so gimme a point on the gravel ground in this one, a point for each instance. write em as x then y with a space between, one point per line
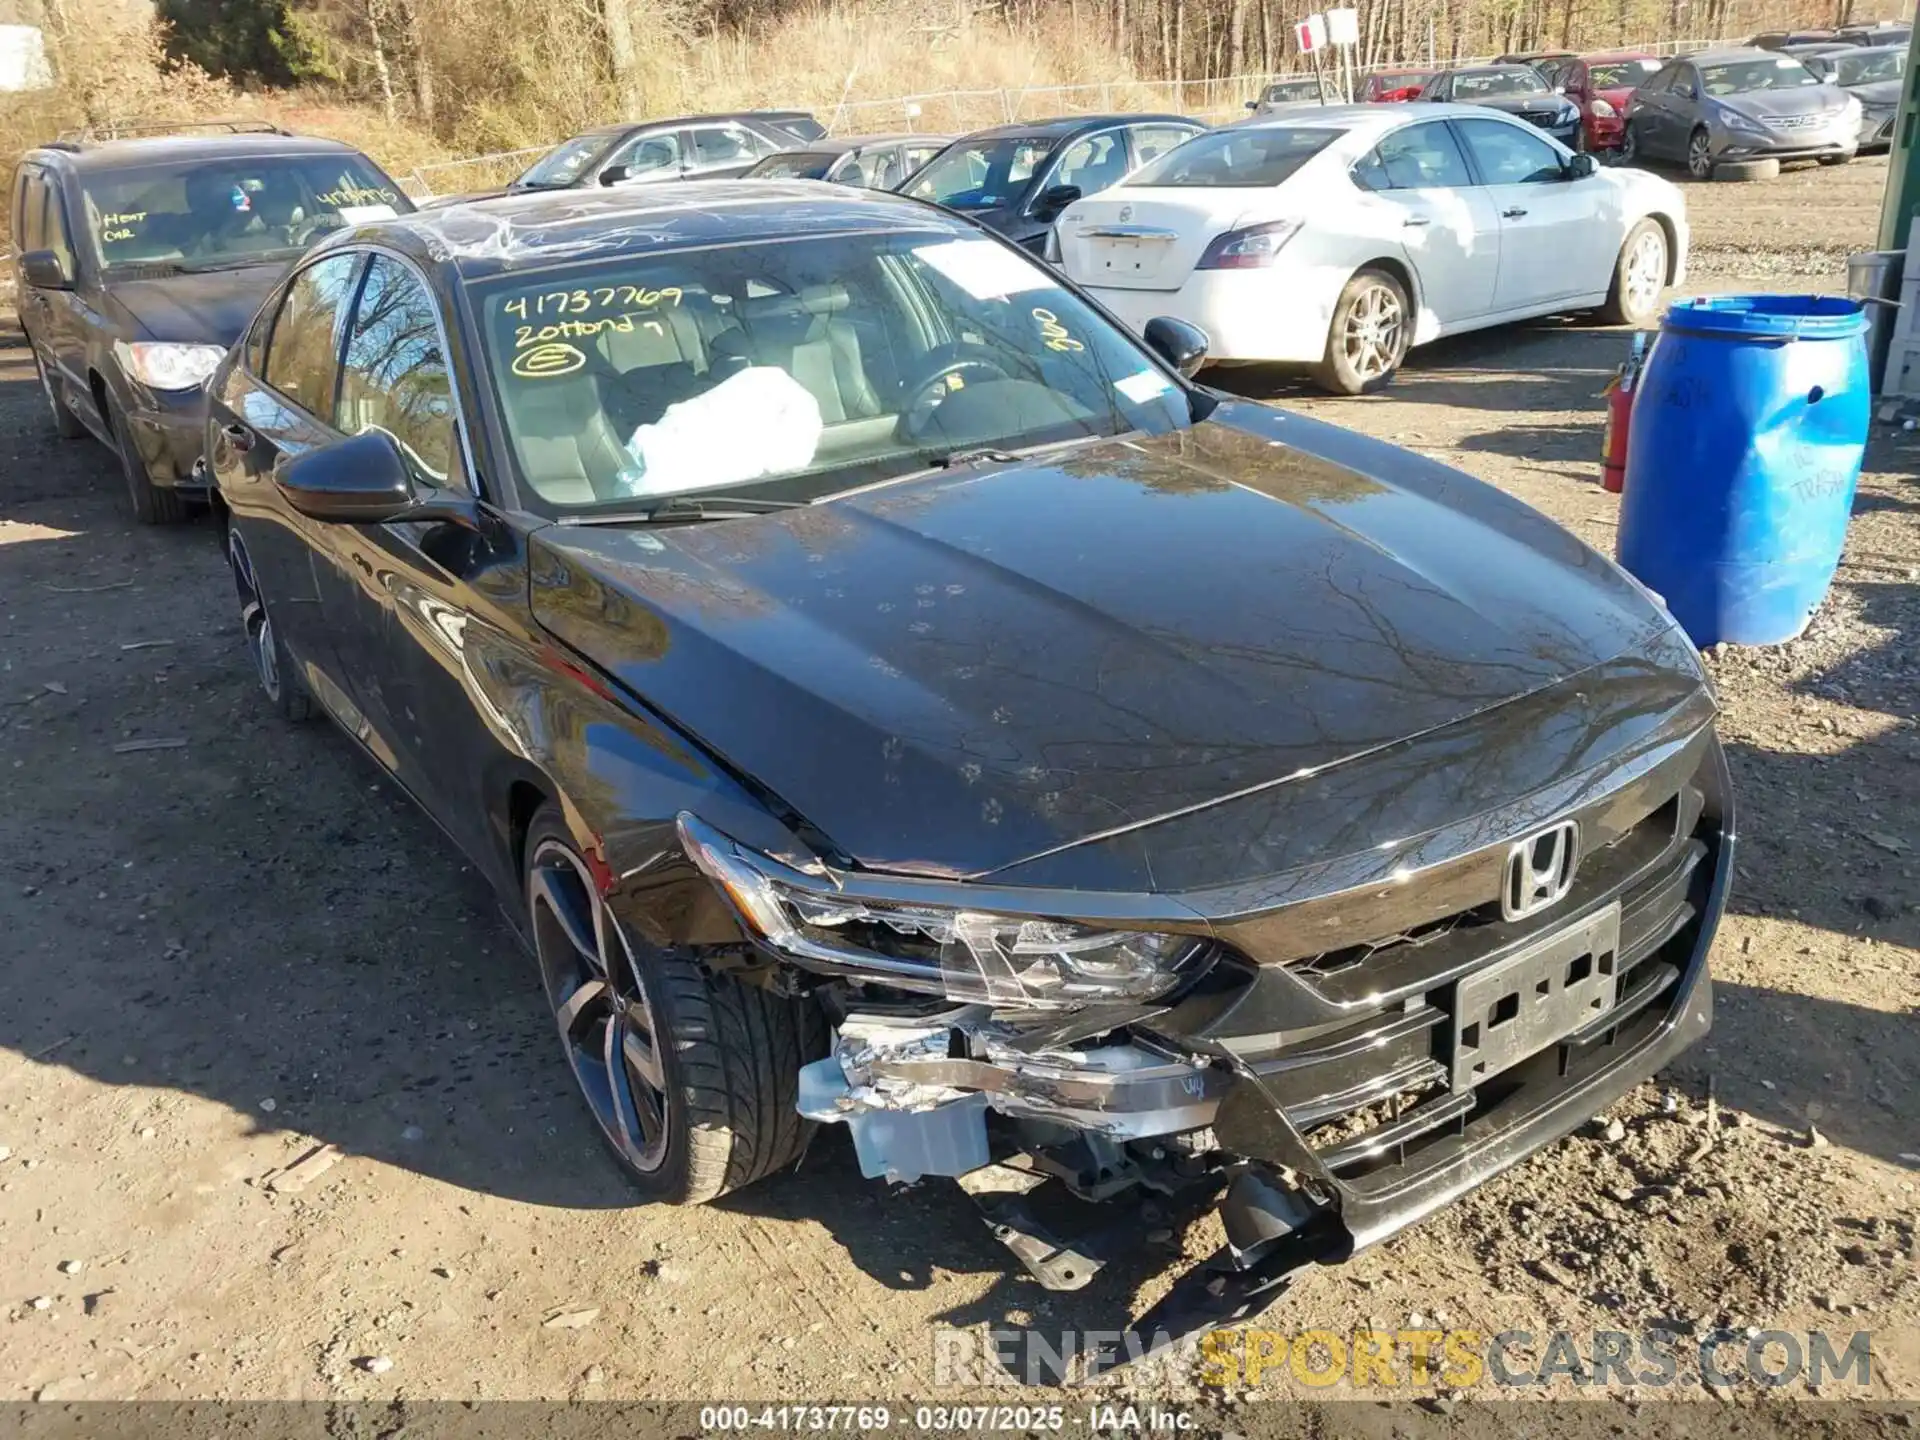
230 951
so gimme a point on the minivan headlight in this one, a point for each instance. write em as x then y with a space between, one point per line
161 365
967 955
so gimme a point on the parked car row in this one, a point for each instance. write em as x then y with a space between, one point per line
884 690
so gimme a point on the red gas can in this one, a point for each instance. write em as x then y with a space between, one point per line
1620 392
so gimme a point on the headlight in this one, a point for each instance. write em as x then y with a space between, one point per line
972 956
1735 120
163 366
1602 110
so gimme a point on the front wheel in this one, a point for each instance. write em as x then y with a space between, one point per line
271 664
693 1077
152 504
1629 145
1836 159
1639 275
1371 331
1700 155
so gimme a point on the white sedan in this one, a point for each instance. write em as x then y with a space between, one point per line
1341 238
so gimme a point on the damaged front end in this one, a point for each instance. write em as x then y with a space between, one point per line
1327 1056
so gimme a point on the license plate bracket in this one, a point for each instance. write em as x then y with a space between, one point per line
1521 1005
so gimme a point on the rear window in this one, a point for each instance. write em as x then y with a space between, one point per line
1247 158
237 210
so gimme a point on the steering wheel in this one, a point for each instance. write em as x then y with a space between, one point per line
946 370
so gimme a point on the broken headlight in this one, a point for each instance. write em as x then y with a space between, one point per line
973 956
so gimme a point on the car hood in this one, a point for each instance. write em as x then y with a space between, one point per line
1772 104
208 308
1519 104
950 674
1877 92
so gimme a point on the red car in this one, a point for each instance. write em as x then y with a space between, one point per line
1392 85
1600 85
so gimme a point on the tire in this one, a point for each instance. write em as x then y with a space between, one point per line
152 504
1629 145
1639 275
703 1098
1836 159
65 423
272 666
1747 170
1369 336
1700 154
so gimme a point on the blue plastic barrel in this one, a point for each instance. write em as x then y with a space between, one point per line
1748 429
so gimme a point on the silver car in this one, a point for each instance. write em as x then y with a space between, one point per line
1732 105
1286 96
1873 75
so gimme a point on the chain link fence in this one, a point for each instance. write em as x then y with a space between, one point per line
955 112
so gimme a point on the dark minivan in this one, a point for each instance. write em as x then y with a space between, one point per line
140 260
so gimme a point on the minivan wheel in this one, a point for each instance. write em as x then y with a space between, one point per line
65 423
1700 155
1639 275
692 1077
1368 338
152 504
271 663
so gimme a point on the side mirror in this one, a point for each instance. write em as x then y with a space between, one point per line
1052 200
1180 343
614 174
1581 166
45 270
1253 104
361 481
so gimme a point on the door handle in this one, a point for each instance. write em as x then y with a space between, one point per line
1412 220
239 436
1513 214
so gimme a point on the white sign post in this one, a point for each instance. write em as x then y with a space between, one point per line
1343 33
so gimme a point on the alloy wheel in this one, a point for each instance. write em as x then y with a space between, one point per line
254 620
601 1006
1700 156
1370 334
1646 272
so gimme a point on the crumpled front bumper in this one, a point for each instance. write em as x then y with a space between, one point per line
1346 1132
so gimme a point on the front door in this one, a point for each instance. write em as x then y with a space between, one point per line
1551 229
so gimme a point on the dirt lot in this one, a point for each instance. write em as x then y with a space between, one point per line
221 954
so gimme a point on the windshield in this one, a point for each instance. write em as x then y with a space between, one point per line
206 214
981 174
1481 84
1781 73
1620 74
793 165
563 164
1872 65
1247 158
1293 90
797 368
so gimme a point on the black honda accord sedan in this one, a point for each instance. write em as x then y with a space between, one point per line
890 694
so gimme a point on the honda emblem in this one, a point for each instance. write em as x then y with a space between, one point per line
1540 870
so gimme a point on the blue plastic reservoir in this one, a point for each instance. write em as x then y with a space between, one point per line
1748 430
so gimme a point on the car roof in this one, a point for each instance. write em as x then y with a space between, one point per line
1602 57
1733 52
1058 125
841 144
1364 119
1487 69
152 150
545 228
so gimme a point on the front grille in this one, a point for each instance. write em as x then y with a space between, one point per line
1800 122
1371 1095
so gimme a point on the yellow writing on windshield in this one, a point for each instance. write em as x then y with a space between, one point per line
586 301
118 224
529 335
350 194
1053 332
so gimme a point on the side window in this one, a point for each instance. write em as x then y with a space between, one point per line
1093 162
31 232
256 351
879 169
395 377
1509 155
1685 83
918 155
54 234
303 353
1420 157
1150 142
647 153
726 145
